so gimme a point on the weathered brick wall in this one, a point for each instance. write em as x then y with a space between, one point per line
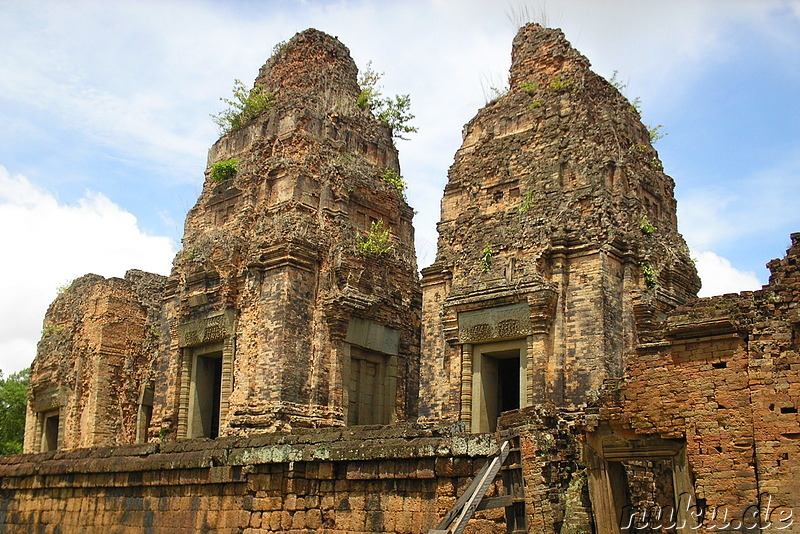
774 379
686 393
554 473
400 479
725 376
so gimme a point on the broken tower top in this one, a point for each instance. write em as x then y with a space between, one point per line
310 64
540 54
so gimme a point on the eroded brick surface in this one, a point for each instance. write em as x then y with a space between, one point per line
275 248
723 375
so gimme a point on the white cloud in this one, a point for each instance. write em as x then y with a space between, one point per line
704 218
720 277
132 80
47 243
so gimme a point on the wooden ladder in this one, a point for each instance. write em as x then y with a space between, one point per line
515 488
456 519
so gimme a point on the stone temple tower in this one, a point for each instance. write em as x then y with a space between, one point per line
273 316
558 244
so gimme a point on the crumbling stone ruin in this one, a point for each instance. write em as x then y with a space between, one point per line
95 363
286 378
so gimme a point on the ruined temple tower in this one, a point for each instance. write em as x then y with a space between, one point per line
93 362
558 239
272 317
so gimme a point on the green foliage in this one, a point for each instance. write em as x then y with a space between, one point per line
646 226
376 242
279 47
224 170
655 135
494 88
363 100
49 330
559 84
636 103
395 112
617 83
529 87
63 287
527 203
13 401
688 254
656 164
639 147
370 92
243 108
486 258
396 181
636 106
535 105
650 275
496 92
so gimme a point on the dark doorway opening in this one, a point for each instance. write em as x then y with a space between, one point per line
50 438
208 387
508 388
500 377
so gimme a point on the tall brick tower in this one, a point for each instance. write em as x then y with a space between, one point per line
558 244
273 318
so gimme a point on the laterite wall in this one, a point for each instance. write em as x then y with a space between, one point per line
400 479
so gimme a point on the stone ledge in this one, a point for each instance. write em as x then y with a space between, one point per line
228 456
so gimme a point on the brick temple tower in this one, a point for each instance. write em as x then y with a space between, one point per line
273 318
93 364
558 244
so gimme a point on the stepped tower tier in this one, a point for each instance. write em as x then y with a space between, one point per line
284 307
558 243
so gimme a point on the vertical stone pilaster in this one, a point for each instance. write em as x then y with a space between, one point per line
183 395
466 385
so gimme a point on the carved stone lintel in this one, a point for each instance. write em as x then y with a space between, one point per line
211 329
487 321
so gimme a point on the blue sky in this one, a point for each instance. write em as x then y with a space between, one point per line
104 114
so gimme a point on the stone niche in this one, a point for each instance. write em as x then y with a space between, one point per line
46 413
370 368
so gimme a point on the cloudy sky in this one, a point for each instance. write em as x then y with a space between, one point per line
104 118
